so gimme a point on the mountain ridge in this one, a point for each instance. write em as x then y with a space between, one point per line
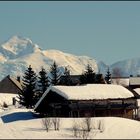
18 53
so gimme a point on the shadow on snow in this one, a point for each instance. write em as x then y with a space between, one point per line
17 116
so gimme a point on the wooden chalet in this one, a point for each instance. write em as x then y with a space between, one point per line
94 100
10 85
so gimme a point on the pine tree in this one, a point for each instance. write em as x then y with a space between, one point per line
27 96
99 78
66 77
43 82
83 79
88 76
55 74
108 77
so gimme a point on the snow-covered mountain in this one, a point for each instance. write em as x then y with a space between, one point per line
17 47
125 67
128 67
18 53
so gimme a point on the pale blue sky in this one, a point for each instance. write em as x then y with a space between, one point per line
107 31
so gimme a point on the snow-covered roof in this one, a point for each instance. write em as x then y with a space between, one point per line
89 92
121 81
134 80
137 90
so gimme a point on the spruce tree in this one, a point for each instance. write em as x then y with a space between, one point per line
55 74
88 76
43 81
108 76
27 96
66 77
83 79
99 79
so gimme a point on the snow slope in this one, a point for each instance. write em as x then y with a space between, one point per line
18 53
22 127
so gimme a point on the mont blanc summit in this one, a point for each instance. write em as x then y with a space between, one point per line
19 52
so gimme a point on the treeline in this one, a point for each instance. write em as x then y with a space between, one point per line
34 85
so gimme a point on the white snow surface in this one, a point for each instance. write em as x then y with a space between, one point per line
7 98
19 124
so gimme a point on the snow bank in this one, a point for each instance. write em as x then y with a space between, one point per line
7 98
113 128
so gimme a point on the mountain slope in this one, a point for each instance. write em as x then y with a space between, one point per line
128 67
18 53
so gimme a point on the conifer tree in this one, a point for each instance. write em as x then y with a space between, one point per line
66 77
43 81
99 78
108 76
55 74
88 76
83 79
27 96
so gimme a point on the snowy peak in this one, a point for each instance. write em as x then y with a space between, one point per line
13 41
18 46
18 53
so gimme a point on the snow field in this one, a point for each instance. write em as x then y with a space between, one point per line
32 128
